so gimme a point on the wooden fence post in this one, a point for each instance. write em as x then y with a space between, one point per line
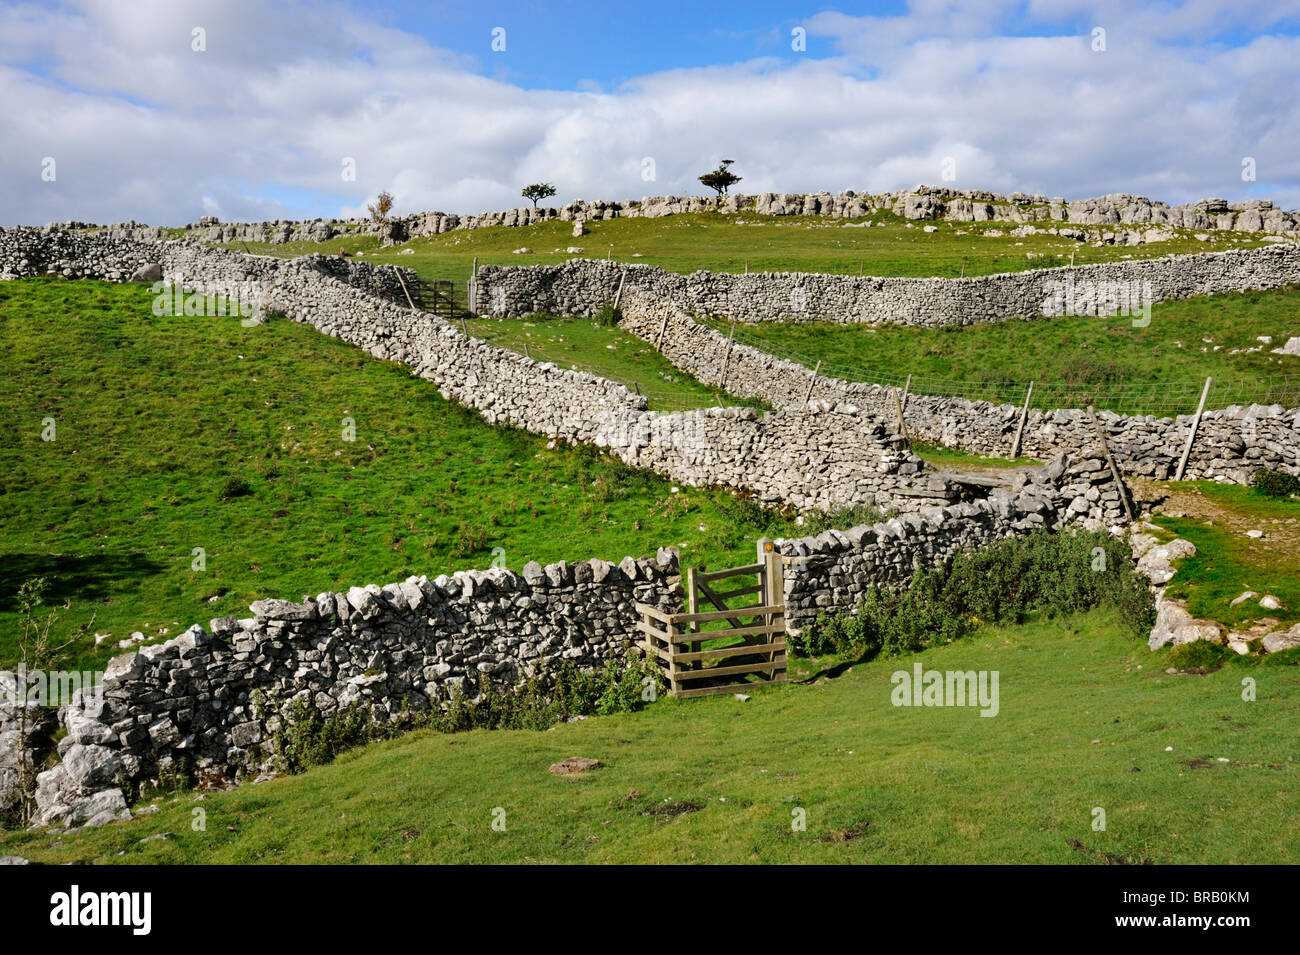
812 381
692 607
772 594
619 294
659 340
902 425
722 382
1020 428
907 386
1191 434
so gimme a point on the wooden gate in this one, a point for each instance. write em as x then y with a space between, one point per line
444 297
715 651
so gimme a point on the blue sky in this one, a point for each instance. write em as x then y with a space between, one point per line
258 123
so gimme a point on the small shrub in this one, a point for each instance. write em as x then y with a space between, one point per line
470 539
232 487
306 738
1275 483
1042 573
844 517
609 315
1199 655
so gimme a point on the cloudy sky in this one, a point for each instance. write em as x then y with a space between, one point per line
165 110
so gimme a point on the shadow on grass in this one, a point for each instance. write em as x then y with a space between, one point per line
72 577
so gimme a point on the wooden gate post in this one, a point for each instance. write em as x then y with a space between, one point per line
693 607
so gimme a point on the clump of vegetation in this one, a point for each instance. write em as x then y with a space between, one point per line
1199 655
232 487
1275 483
1043 573
543 699
381 207
307 738
39 650
843 518
609 315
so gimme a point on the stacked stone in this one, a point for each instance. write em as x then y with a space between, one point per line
583 286
921 204
1231 443
838 567
213 700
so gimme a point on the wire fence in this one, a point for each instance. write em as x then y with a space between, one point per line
1157 398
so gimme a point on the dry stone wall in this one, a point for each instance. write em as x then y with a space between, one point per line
1230 444
211 702
837 568
922 203
582 286
824 457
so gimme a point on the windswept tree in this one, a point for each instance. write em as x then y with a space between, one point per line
721 179
382 205
538 190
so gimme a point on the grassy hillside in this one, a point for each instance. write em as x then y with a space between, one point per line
1185 770
1227 563
158 419
1159 368
607 351
736 243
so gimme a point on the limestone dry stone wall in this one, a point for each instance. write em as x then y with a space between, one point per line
213 702
210 702
824 457
1231 443
582 286
837 568
920 204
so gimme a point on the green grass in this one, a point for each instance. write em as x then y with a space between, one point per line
716 242
155 415
1074 361
1227 562
951 460
1085 720
606 351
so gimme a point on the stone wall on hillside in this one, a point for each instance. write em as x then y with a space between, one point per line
924 203
213 702
1231 443
582 286
826 456
837 568
96 255
210 702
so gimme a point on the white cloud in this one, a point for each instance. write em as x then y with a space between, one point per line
257 126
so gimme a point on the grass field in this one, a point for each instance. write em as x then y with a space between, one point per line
1215 518
736 243
1154 369
607 351
1185 770
1074 361
154 415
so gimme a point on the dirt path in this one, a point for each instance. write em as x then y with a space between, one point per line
1281 535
